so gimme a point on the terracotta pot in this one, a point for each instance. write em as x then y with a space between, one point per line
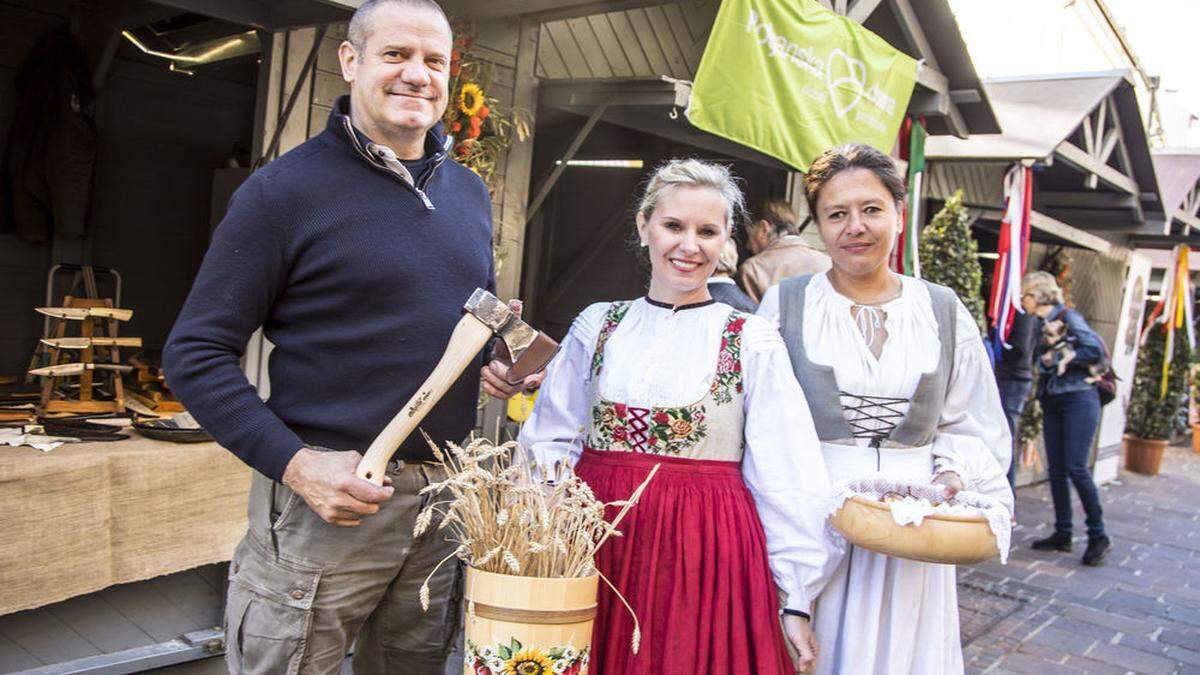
1196 438
1144 455
527 619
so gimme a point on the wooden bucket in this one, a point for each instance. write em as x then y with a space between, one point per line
528 624
947 539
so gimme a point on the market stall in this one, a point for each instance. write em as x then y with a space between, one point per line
1093 190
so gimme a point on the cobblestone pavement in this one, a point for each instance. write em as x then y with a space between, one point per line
1044 612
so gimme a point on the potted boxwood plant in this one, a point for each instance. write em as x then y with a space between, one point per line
1196 405
1152 416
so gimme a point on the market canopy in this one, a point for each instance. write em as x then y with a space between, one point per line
1178 174
1084 133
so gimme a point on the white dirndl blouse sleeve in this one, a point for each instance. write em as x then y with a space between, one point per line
784 468
557 427
973 438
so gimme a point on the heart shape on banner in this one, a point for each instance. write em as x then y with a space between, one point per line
847 80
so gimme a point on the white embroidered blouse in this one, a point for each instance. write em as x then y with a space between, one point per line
973 437
658 356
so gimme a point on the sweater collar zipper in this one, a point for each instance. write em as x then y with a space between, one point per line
402 173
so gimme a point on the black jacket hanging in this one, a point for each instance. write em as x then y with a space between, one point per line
46 175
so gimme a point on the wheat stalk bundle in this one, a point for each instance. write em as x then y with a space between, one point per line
509 516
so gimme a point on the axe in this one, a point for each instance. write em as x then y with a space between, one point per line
485 315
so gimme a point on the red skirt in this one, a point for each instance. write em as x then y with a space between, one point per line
692 562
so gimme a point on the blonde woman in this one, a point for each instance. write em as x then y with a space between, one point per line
899 386
734 518
1070 411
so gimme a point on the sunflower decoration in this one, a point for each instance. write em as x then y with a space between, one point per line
470 99
482 130
529 662
513 658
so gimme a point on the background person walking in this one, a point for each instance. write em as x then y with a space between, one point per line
1071 411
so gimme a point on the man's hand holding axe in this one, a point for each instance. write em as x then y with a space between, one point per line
343 487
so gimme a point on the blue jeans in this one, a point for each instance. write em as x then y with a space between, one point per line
1070 422
1013 395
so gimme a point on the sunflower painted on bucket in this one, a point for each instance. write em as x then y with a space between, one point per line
515 659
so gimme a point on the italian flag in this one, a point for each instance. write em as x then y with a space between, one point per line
912 149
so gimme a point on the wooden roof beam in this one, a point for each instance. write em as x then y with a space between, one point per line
539 10
932 79
1074 235
861 9
1098 219
614 91
929 73
1188 219
1082 160
1091 200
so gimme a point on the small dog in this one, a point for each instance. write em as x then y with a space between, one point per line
1060 346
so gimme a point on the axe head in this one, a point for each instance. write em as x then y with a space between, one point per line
528 350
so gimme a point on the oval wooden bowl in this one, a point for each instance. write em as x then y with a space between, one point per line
946 539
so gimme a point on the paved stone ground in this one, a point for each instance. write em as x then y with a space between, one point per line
1044 612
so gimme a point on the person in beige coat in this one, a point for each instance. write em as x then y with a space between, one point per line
777 251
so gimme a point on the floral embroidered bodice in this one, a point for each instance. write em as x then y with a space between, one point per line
711 428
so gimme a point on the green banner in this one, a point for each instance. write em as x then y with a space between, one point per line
792 79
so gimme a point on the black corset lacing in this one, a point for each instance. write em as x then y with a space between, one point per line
861 410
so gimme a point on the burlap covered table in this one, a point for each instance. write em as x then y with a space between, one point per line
89 515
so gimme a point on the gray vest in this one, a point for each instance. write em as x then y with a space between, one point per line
820 385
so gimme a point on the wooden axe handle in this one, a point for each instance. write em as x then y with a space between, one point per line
467 340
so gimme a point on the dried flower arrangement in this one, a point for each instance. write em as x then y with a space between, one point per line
509 516
482 128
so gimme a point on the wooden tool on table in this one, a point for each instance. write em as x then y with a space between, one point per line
84 343
81 313
78 368
97 323
485 315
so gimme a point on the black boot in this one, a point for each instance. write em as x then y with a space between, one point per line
1055 542
1097 548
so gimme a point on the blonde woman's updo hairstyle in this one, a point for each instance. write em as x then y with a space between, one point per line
852 156
1043 287
694 173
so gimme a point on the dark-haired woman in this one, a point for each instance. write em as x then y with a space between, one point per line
899 387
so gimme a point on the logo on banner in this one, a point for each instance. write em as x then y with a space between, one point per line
845 77
825 79
846 91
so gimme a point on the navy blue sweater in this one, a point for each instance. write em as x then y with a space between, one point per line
358 283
